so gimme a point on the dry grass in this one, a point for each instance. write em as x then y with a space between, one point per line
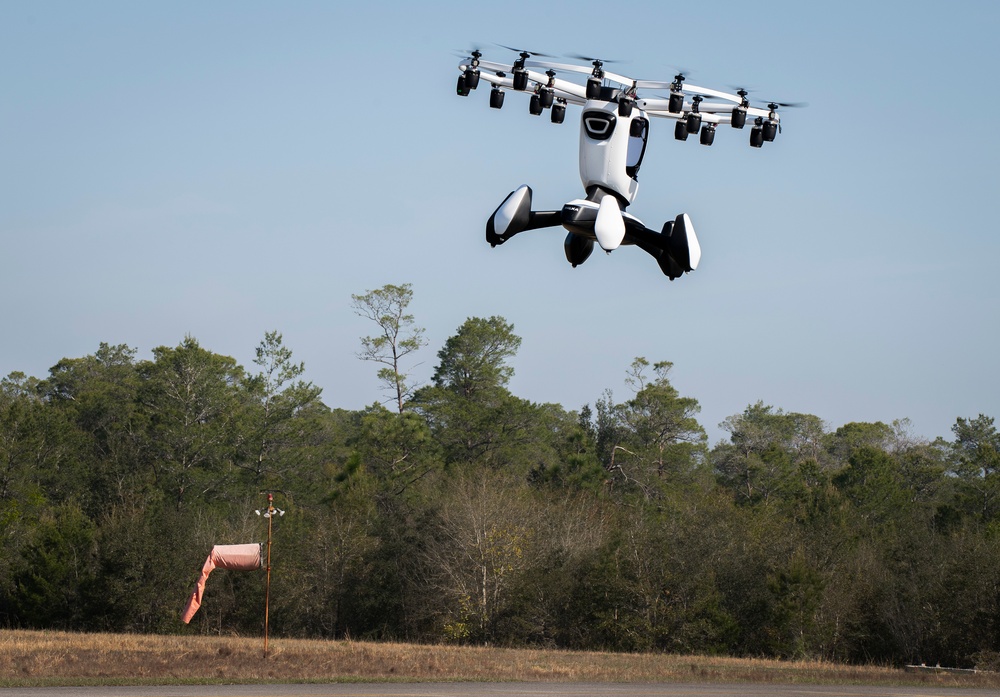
30 658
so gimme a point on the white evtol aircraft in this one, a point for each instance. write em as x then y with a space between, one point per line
614 127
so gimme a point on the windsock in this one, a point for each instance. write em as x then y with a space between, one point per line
235 557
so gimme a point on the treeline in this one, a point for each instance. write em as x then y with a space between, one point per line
466 514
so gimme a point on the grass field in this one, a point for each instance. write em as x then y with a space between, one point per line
30 658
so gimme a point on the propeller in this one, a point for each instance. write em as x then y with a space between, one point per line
599 73
474 53
524 50
771 125
591 59
518 68
773 106
598 63
743 93
526 54
680 76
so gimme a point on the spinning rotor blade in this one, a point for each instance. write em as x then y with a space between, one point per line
608 75
598 63
745 92
523 50
590 59
787 105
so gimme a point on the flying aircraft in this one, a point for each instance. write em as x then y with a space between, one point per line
614 130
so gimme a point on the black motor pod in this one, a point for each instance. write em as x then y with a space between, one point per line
577 249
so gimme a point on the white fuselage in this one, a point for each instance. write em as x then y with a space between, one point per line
611 148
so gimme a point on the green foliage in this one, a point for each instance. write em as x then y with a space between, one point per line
99 396
571 464
192 398
473 362
653 442
56 571
273 402
480 541
30 440
146 558
975 461
467 514
397 449
873 482
843 442
398 338
797 593
762 462
318 588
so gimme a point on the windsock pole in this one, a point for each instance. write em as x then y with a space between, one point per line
269 513
267 587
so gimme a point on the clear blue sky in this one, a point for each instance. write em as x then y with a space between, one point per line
224 169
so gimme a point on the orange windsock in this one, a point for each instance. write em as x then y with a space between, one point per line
234 557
